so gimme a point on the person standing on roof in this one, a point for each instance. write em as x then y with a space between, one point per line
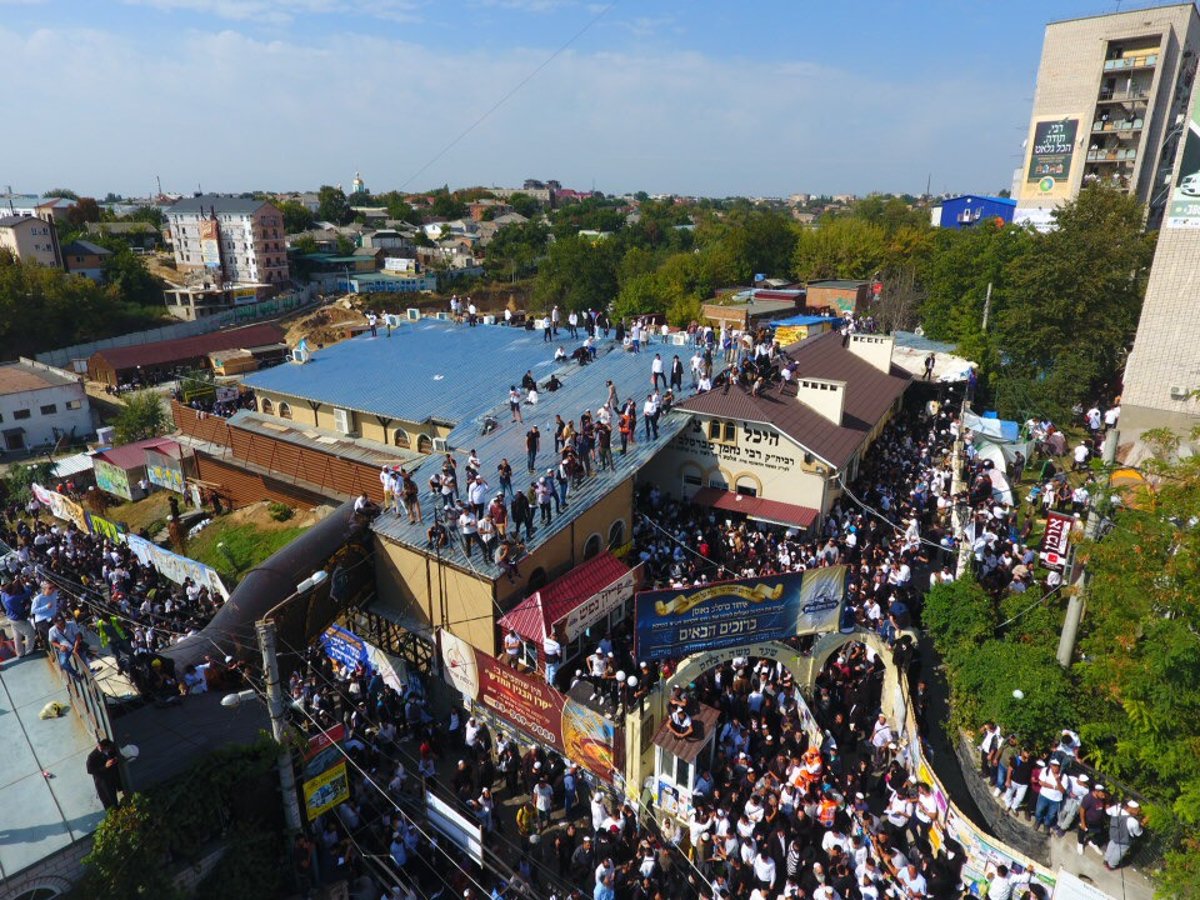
656 371
533 442
514 403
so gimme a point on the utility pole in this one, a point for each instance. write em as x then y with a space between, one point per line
1077 600
287 775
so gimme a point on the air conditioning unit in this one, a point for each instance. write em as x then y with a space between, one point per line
392 320
1179 392
414 315
439 445
343 420
444 316
299 356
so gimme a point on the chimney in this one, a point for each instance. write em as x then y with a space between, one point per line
823 396
875 349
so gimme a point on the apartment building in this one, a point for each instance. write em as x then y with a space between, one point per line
1162 374
229 240
30 239
1112 92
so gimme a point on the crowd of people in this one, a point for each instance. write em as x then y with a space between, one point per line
58 582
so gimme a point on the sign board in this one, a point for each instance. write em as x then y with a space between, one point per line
323 752
210 243
244 295
529 704
112 479
326 791
1051 148
1183 209
1056 540
345 647
598 605
175 567
464 833
672 624
164 470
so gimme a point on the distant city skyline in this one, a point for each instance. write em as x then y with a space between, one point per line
668 97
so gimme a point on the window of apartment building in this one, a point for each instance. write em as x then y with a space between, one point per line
74 404
21 414
49 409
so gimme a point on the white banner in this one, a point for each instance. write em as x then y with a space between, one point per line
599 605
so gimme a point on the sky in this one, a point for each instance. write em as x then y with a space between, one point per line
698 97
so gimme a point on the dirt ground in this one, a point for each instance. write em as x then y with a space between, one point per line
259 515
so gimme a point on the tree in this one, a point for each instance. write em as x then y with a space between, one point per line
1075 299
345 246
143 416
332 205
525 205
151 215
305 244
514 251
577 274
296 216
445 206
128 276
1140 660
85 210
18 483
844 247
61 192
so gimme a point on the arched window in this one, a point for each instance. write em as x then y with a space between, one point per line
748 485
285 411
268 407
616 534
400 438
424 444
41 892
537 580
592 546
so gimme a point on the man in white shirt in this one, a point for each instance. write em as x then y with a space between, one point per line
1124 826
1051 784
512 648
764 871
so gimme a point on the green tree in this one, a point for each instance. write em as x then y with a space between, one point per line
844 247
305 244
445 206
1074 299
577 274
332 205
1140 659
525 205
127 274
151 215
143 416
296 216
514 251
61 192
19 482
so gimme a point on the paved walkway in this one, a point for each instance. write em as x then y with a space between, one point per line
41 813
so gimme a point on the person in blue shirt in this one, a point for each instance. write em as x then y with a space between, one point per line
604 889
45 608
15 597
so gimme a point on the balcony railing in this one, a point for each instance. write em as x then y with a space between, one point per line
1123 96
1118 156
1117 125
1145 61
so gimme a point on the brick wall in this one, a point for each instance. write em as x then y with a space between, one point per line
58 871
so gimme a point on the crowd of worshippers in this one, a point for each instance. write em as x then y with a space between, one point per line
211 406
1049 787
55 571
393 749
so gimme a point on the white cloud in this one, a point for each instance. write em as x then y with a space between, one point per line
233 112
284 12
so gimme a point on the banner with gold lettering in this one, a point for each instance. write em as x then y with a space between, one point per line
675 623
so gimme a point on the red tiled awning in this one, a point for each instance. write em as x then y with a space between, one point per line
534 616
757 508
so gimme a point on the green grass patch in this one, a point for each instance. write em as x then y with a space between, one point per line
245 545
150 512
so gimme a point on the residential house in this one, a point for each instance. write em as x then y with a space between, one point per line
40 405
30 239
85 258
231 240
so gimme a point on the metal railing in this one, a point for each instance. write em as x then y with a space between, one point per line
87 699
